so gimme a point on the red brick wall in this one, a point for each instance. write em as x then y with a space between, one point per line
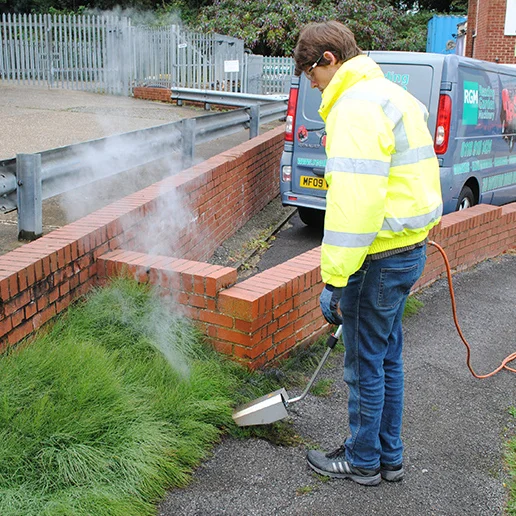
485 37
257 320
161 94
40 279
262 318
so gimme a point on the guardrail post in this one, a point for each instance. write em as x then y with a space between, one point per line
254 122
188 137
29 196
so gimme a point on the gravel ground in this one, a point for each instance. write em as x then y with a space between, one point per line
455 426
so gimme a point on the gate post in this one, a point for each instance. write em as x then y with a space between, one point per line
29 196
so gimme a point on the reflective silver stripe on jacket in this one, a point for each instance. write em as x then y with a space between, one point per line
359 166
390 109
340 239
411 156
420 221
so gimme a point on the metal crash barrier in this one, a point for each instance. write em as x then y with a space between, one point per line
29 179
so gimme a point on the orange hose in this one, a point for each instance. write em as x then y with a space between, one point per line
506 361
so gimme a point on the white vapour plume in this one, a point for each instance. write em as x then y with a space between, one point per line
166 331
160 232
137 17
125 164
170 335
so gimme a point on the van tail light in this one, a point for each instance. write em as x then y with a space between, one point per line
286 173
442 131
291 115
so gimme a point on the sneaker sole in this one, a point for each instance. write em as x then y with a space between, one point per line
392 476
365 481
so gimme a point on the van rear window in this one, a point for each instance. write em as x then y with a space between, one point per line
310 103
416 79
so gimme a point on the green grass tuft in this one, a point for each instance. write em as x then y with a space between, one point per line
322 388
412 306
117 402
510 458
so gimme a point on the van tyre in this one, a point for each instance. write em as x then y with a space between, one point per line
466 198
311 217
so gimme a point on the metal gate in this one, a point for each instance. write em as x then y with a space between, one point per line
107 54
173 56
76 52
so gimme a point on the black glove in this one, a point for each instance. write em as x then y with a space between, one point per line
329 302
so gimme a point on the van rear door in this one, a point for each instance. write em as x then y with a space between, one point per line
308 155
417 72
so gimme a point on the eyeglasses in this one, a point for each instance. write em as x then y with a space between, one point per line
310 70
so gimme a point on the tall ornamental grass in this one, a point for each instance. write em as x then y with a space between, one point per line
117 402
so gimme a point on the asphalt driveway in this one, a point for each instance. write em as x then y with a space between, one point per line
455 425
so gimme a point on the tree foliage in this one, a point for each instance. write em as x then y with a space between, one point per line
272 28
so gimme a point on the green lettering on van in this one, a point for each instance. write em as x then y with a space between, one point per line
307 162
470 109
498 181
481 164
461 168
487 145
402 79
486 163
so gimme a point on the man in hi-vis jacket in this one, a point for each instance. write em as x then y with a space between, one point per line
383 198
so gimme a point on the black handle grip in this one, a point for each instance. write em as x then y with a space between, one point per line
332 341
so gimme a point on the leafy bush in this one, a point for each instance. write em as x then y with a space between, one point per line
273 28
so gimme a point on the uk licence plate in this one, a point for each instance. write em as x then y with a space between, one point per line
313 182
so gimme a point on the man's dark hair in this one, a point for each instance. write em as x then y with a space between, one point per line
317 38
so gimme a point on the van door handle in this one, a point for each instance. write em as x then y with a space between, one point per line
318 172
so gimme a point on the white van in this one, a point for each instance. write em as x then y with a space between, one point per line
472 117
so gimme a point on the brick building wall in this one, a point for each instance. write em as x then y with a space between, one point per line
485 36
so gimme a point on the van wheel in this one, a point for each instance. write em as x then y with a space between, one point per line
311 217
466 199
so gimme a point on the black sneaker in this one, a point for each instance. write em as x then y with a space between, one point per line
334 465
391 473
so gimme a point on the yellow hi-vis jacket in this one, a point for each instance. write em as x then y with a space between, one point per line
383 176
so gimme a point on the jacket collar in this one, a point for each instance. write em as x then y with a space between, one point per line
352 71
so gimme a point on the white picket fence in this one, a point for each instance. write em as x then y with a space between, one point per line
107 54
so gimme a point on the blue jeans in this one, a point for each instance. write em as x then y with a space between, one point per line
372 305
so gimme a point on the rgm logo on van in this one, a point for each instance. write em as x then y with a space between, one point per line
479 103
470 112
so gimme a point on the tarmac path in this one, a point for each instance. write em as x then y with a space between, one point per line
455 426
